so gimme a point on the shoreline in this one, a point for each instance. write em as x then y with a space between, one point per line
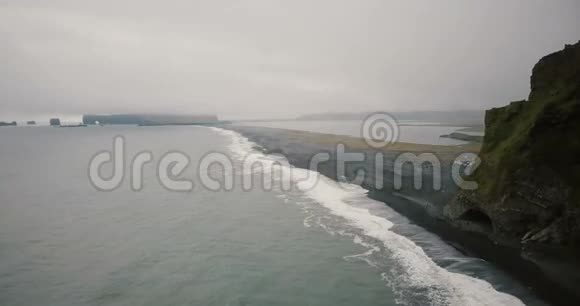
423 207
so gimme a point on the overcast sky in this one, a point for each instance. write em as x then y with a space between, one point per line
272 58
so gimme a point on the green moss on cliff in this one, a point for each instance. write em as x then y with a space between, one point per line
543 132
529 179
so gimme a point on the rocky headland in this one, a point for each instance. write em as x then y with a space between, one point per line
529 178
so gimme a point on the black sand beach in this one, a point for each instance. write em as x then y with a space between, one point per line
551 282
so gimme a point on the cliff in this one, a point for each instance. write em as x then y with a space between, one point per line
54 122
149 119
529 177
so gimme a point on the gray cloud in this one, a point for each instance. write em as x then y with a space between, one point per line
273 58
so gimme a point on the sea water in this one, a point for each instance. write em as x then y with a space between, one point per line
63 242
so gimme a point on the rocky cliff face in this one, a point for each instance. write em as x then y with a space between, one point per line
529 178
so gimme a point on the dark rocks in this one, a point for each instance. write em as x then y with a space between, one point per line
55 122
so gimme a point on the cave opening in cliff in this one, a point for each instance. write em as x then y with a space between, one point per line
479 217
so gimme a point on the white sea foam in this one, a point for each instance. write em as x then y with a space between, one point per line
420 270
416 269
365 256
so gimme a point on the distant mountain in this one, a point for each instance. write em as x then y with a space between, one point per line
149 119
468 117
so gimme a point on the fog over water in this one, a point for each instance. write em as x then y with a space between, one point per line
276 59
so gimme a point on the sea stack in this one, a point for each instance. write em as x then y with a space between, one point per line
54 122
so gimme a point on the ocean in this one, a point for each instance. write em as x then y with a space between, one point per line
65 242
